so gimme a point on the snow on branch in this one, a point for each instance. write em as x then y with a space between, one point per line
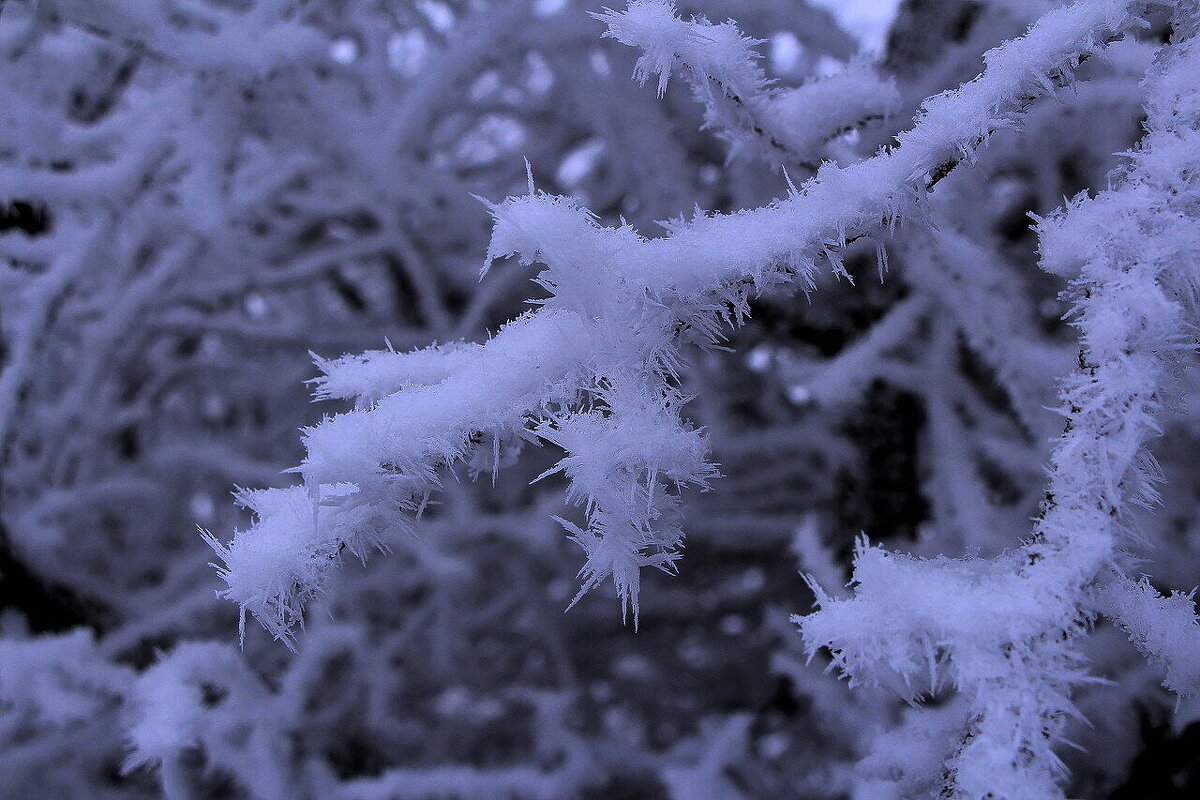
202 696
982 292
251 41
791 125
1001 631
60 679
1164 629
595 369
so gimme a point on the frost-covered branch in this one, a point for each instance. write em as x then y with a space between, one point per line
202 696
594 369
782 124
250 41
1002 631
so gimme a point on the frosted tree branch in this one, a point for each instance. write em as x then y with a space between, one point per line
995 628
596 363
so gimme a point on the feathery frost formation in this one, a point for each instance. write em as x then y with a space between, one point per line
783 126
848 366
1002 632
602 353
